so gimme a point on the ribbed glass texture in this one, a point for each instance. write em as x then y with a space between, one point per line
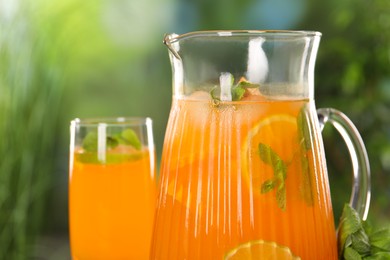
214 173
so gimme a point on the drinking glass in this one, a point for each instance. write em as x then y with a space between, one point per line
112 184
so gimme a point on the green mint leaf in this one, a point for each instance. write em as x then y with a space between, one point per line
112 142
270 157
90 142
131 138
361 242
247 84
350 223
90 145
357 240
267 186
381 239
214 94
351 254
378 256
306 190
368 228
238 93
281 196
303 129
280 170
305 141
238 90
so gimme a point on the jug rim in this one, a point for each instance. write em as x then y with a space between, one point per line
173 37
110 121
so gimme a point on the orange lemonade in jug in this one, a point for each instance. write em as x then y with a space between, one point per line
239 173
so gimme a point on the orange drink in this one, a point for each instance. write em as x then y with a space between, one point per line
243 171
237 172
111 190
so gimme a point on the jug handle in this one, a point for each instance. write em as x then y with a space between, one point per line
361 181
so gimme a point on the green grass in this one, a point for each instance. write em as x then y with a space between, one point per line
31 85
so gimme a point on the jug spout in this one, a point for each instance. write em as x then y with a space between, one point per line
169 41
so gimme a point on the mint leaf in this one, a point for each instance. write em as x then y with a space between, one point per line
360 242
281 196
131 138
305 145
306 190
357 240
112 142
247 84
239 89
349 224
238 93
351 254
214 94
378 256
90 146
303 129
270 157
381 240
90 142
267 186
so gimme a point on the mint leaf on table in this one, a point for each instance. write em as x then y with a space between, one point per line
270 157
350 233
351 254
357 240
378 239
379 256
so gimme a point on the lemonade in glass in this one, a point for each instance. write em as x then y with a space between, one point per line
112 186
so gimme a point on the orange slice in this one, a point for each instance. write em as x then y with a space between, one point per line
260 249
279 132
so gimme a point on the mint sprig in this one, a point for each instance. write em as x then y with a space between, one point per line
357 240
305 146
90 142
270 157
237 90
127 137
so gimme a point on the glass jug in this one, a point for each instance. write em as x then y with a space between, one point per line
243 166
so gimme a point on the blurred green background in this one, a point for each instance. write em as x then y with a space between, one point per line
68 58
